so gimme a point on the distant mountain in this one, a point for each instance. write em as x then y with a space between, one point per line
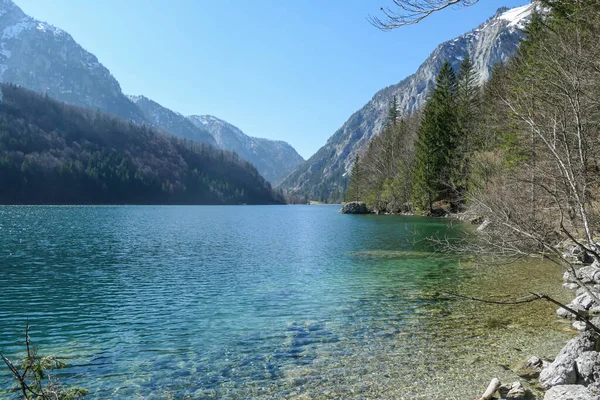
274 159
45 59
323 176
166 120
54 153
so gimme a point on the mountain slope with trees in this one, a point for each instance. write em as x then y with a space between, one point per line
521 151
53 153
273 158
324 176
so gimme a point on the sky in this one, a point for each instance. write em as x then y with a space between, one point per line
278 69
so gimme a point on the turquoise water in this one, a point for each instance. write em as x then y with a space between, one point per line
225 302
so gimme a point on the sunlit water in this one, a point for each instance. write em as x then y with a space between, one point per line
258 302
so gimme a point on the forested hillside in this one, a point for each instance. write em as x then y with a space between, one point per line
521 152
53 153
324 176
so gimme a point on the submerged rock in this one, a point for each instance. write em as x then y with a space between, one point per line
516 392
354 207
563 370
569 392
531 368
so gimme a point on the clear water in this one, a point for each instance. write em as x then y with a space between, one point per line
240 302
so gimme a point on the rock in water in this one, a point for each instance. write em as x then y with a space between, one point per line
517 391
569 392
563 370
354 207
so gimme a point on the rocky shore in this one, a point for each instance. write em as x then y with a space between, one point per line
355 207
575 372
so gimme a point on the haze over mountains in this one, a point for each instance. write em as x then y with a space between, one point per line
267 155
324 175
46 59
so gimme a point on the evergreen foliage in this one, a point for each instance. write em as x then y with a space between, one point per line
53 153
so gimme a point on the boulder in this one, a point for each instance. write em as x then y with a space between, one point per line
589 274
584 300
595 289
569 392
588 367
582 326
562 371
516 392
531 368
570 285
354 207
561 312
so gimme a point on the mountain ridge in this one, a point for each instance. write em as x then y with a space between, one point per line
323 176
250 148
46 59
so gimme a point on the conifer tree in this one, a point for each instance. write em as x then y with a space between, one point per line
354 189
393 112
467 108
436 142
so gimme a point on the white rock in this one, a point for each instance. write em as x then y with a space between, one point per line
562 371
588 367
569 392
516 392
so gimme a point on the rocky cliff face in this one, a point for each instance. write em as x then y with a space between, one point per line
322 177
43 58
274 159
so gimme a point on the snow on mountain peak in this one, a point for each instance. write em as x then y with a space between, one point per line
515 16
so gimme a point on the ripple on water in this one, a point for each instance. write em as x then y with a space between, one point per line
261 302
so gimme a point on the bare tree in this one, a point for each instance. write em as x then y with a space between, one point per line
409 12
545 189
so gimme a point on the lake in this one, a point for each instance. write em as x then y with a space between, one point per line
259 302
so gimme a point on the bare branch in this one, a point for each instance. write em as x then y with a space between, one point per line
410 12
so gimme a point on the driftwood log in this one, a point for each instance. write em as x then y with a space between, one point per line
491 389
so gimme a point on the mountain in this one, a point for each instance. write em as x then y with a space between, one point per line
54 153
47 60
323 176
274 159
172 122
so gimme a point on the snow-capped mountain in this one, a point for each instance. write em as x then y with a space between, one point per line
494 41
274 159
170 121
45 59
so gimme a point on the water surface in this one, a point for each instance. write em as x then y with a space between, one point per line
248 302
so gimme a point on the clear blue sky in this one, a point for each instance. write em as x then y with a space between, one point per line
279 69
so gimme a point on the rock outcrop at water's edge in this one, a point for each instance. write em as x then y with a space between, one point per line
575 372
355 207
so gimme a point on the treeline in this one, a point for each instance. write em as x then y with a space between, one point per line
522 151
53 153
422 162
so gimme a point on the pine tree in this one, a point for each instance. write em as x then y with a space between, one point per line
393 115
436 143
468 101
354 189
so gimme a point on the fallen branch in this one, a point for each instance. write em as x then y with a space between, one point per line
534 297
491 389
